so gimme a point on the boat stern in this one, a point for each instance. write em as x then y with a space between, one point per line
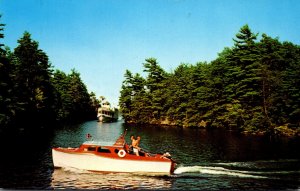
54 159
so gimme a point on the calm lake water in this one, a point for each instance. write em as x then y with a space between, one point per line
208 160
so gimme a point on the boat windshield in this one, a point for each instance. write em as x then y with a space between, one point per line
99 143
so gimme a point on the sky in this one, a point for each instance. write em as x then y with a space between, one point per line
101 39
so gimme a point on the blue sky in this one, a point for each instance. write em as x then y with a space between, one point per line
103 38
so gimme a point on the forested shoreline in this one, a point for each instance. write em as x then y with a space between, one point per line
33 93
252 87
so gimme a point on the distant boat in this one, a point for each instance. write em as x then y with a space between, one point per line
107 114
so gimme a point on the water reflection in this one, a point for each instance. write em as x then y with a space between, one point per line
72 179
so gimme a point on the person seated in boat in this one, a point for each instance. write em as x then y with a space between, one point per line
135 145
130 149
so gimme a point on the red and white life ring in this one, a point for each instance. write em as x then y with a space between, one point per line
121 153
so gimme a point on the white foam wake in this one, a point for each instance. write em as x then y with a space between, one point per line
214 170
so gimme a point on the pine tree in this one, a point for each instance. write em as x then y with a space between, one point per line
7 109
33 74
245 83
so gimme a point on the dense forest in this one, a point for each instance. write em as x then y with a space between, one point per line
252 87
32 93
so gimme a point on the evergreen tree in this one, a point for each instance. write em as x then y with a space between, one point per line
155 74
290 89
125 100
6 84
63 100
73 102
94 102
179 94
33 74
246 82
80 97
154 97
216 115
132 90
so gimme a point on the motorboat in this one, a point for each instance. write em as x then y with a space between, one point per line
99 157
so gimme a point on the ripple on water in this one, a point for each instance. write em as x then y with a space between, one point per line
85 180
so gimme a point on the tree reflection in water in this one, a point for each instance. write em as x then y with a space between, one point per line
77 179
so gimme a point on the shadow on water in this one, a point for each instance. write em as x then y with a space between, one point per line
26 161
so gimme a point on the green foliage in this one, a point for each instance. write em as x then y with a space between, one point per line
6 102
32 94
253 87
155 74
32 76
72 99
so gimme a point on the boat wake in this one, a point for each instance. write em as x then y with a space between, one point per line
253 169
214 171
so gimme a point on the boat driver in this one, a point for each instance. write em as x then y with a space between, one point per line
135 144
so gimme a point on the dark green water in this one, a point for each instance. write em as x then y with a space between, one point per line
208 160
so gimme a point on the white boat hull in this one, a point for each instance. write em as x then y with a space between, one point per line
92 162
